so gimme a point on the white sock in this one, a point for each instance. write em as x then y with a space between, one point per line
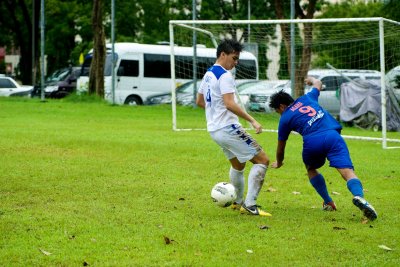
255 182
237 179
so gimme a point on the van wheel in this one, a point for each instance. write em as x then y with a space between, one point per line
133 101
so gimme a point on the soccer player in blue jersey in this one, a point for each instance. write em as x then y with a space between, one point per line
216 94
321 141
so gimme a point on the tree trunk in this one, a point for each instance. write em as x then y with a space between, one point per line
304 60
96 76
22 27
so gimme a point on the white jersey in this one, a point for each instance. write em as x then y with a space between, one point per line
216 82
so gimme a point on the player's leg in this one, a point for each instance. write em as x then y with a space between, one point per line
339 158
318 182
355 187
237 179
256 177
314 158
255 183
239 147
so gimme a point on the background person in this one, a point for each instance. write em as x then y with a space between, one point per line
321 141
216 94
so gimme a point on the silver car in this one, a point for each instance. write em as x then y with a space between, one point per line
255 95
9 87
331 80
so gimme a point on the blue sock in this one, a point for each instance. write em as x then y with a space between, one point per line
318 182
355 187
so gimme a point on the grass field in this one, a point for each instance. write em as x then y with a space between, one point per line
100 185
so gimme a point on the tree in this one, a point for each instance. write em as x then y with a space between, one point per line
16 24
358 9
391 10
96 77
303 63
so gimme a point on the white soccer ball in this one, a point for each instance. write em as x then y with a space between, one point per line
223 194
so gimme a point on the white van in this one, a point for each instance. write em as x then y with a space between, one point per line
329 97
144 70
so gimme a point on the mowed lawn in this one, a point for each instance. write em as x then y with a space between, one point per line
91 184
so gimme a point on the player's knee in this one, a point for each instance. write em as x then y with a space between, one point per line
261 158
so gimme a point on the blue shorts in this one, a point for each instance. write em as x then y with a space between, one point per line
326 145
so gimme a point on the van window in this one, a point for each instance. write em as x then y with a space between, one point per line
246 69
85 70
157 66
129 68
184 66
330 83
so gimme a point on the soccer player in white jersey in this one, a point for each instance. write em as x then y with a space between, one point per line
216 94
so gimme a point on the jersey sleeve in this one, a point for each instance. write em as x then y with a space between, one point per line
314 94
201 88
283 129
227 83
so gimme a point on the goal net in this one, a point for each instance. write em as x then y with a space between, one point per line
339 52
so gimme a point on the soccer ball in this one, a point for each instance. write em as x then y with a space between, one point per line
223 194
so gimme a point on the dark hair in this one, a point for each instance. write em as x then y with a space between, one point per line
279 98
229 46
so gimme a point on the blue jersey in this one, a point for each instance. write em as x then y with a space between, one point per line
306 117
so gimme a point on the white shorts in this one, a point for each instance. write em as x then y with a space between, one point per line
236 142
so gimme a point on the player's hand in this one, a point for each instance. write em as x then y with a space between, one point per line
309 80
276 165
257 127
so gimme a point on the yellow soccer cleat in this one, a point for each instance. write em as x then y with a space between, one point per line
236 206
254 210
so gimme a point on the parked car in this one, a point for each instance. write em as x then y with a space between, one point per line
392 78
254 95
184 95
60 83
9 87
331 80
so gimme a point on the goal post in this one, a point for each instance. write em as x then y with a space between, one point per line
358 44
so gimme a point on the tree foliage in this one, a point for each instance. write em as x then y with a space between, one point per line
356 9
146 21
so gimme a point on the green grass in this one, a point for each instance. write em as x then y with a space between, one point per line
101 185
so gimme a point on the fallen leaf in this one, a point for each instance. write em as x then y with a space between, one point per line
364 220
249 251
167 240
271 189
45 252
296 193
339 228
385 248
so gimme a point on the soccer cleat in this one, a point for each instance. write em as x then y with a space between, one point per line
253 210
330 206
235 206
365 207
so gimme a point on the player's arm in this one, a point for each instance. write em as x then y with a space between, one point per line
311 81
280 154
231 105
200 100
